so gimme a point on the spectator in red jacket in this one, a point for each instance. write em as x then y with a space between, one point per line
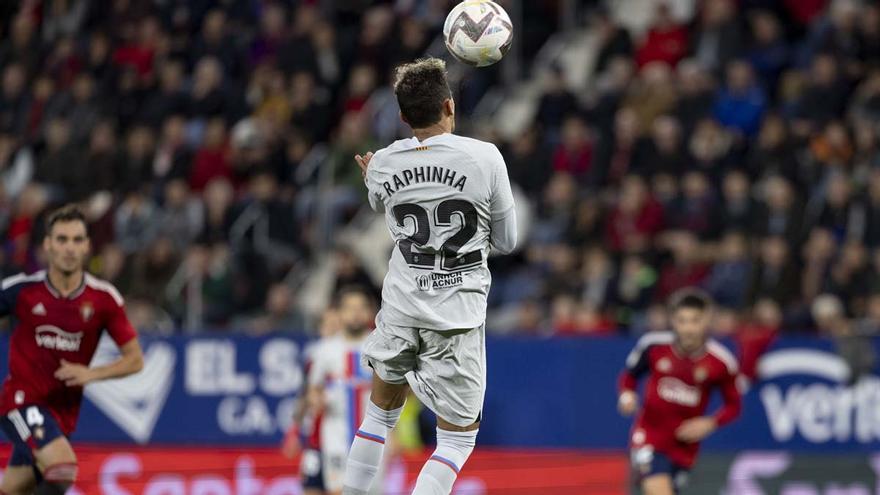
635 219
667 41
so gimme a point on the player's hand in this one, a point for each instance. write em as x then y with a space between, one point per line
291 446
73 375
696 429
364 162
628 403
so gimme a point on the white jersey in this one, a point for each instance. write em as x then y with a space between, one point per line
337 368
446 200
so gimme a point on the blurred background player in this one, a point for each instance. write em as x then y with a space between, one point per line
304 435
430 334
683 367
60 315
338 390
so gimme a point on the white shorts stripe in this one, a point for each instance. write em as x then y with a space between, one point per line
23 431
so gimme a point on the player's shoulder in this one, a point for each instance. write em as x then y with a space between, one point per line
104 287
327 346
652 339
474 147
22 279
722 354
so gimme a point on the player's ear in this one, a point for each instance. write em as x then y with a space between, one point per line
449 107
402 118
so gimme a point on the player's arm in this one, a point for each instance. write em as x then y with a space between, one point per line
130 361
503 221
291 444
375 199
77 375
637 365
696 429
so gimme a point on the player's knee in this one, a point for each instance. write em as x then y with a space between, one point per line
447 426
57 478
660 484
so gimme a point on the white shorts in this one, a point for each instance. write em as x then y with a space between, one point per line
445 369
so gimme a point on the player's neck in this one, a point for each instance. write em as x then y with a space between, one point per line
429 132
64 283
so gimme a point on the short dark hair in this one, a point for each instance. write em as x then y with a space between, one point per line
67 213
690 298
354 290
421 89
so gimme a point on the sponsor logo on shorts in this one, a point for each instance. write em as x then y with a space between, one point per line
52 337
676 391
439 281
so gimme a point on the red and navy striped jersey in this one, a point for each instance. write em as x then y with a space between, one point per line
679 388
47 328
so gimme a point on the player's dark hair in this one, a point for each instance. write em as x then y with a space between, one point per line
690 298
67 213
356 290
421 89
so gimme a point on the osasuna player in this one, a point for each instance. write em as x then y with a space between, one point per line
58 315
447 202
683 368
339 386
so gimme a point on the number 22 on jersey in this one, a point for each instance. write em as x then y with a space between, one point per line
450 257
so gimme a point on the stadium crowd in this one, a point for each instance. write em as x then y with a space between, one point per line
733 145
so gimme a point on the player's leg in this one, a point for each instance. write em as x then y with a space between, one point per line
454 445
57 463
391 352
365 455
18 479
658 484
450 380
39 442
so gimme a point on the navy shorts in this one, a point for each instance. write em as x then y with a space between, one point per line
312 470
29 428
646 463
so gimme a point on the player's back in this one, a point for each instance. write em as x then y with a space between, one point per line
439 196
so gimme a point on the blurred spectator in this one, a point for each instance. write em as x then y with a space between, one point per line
135 223
278 314
728 280
830 319
775 275
635 219
556 103
686 268
574 155
718 39
741 103
667 40
757 335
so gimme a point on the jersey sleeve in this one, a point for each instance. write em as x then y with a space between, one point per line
730 394
118 325
503 222
638 361
374 187
317 369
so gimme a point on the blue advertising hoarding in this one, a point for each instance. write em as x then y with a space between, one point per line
224 390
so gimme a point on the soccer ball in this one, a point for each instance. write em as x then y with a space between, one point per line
478 32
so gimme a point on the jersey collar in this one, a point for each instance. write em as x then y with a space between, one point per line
57 294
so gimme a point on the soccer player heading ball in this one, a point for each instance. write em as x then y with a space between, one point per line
447 200
683 367
59 316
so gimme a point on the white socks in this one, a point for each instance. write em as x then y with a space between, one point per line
365 455
439 473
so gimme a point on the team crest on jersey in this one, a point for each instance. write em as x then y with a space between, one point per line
87 310
664 365
700 374
39 310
